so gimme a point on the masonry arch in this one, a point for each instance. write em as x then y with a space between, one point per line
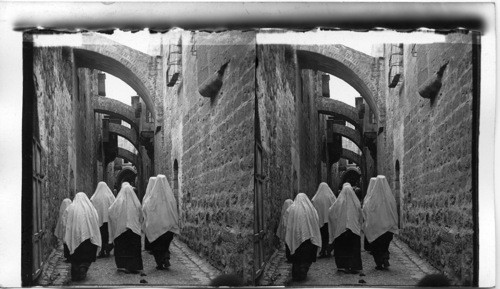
116 109
339 110
351 156
130 65
349 133
348 64
128 156
126 133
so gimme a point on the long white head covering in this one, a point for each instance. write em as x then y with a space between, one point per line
102 199
160 210
125 212
369 191
281 232
302 223
380 212
82 223
61 222
149 188
322 201
345 213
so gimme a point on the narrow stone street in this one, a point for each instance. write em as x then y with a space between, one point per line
406 270
187 269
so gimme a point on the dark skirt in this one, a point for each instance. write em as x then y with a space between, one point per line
347 248
326 248
367 246
66 251
302 259
106 247
128 251
380 249
287 254
160 249
81 258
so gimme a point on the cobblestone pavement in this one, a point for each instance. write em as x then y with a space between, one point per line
187 269
405 270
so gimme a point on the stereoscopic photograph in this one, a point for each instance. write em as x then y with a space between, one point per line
267 156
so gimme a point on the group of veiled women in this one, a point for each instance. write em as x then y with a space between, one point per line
335 224
88 227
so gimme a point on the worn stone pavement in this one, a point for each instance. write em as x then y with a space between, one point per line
406 269
187 269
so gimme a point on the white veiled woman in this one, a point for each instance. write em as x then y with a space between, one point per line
161 220
322 201
82 235
303 237
125 223
102 199
369 191
281 232
381 221
61 221
345 228
60 230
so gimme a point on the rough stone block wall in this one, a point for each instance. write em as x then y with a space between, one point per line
53 78
310 129
86 132
216 153
436 167
277 98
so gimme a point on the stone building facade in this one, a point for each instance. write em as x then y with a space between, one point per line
427 153
68 133
205 145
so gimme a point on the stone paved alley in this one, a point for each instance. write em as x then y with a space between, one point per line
406 270
187 269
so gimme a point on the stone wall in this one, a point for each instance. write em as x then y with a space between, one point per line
212 140
277 111
290 133
432 142
311 131
66 125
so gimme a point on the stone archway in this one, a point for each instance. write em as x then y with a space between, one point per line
360 71
356 68
130 65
